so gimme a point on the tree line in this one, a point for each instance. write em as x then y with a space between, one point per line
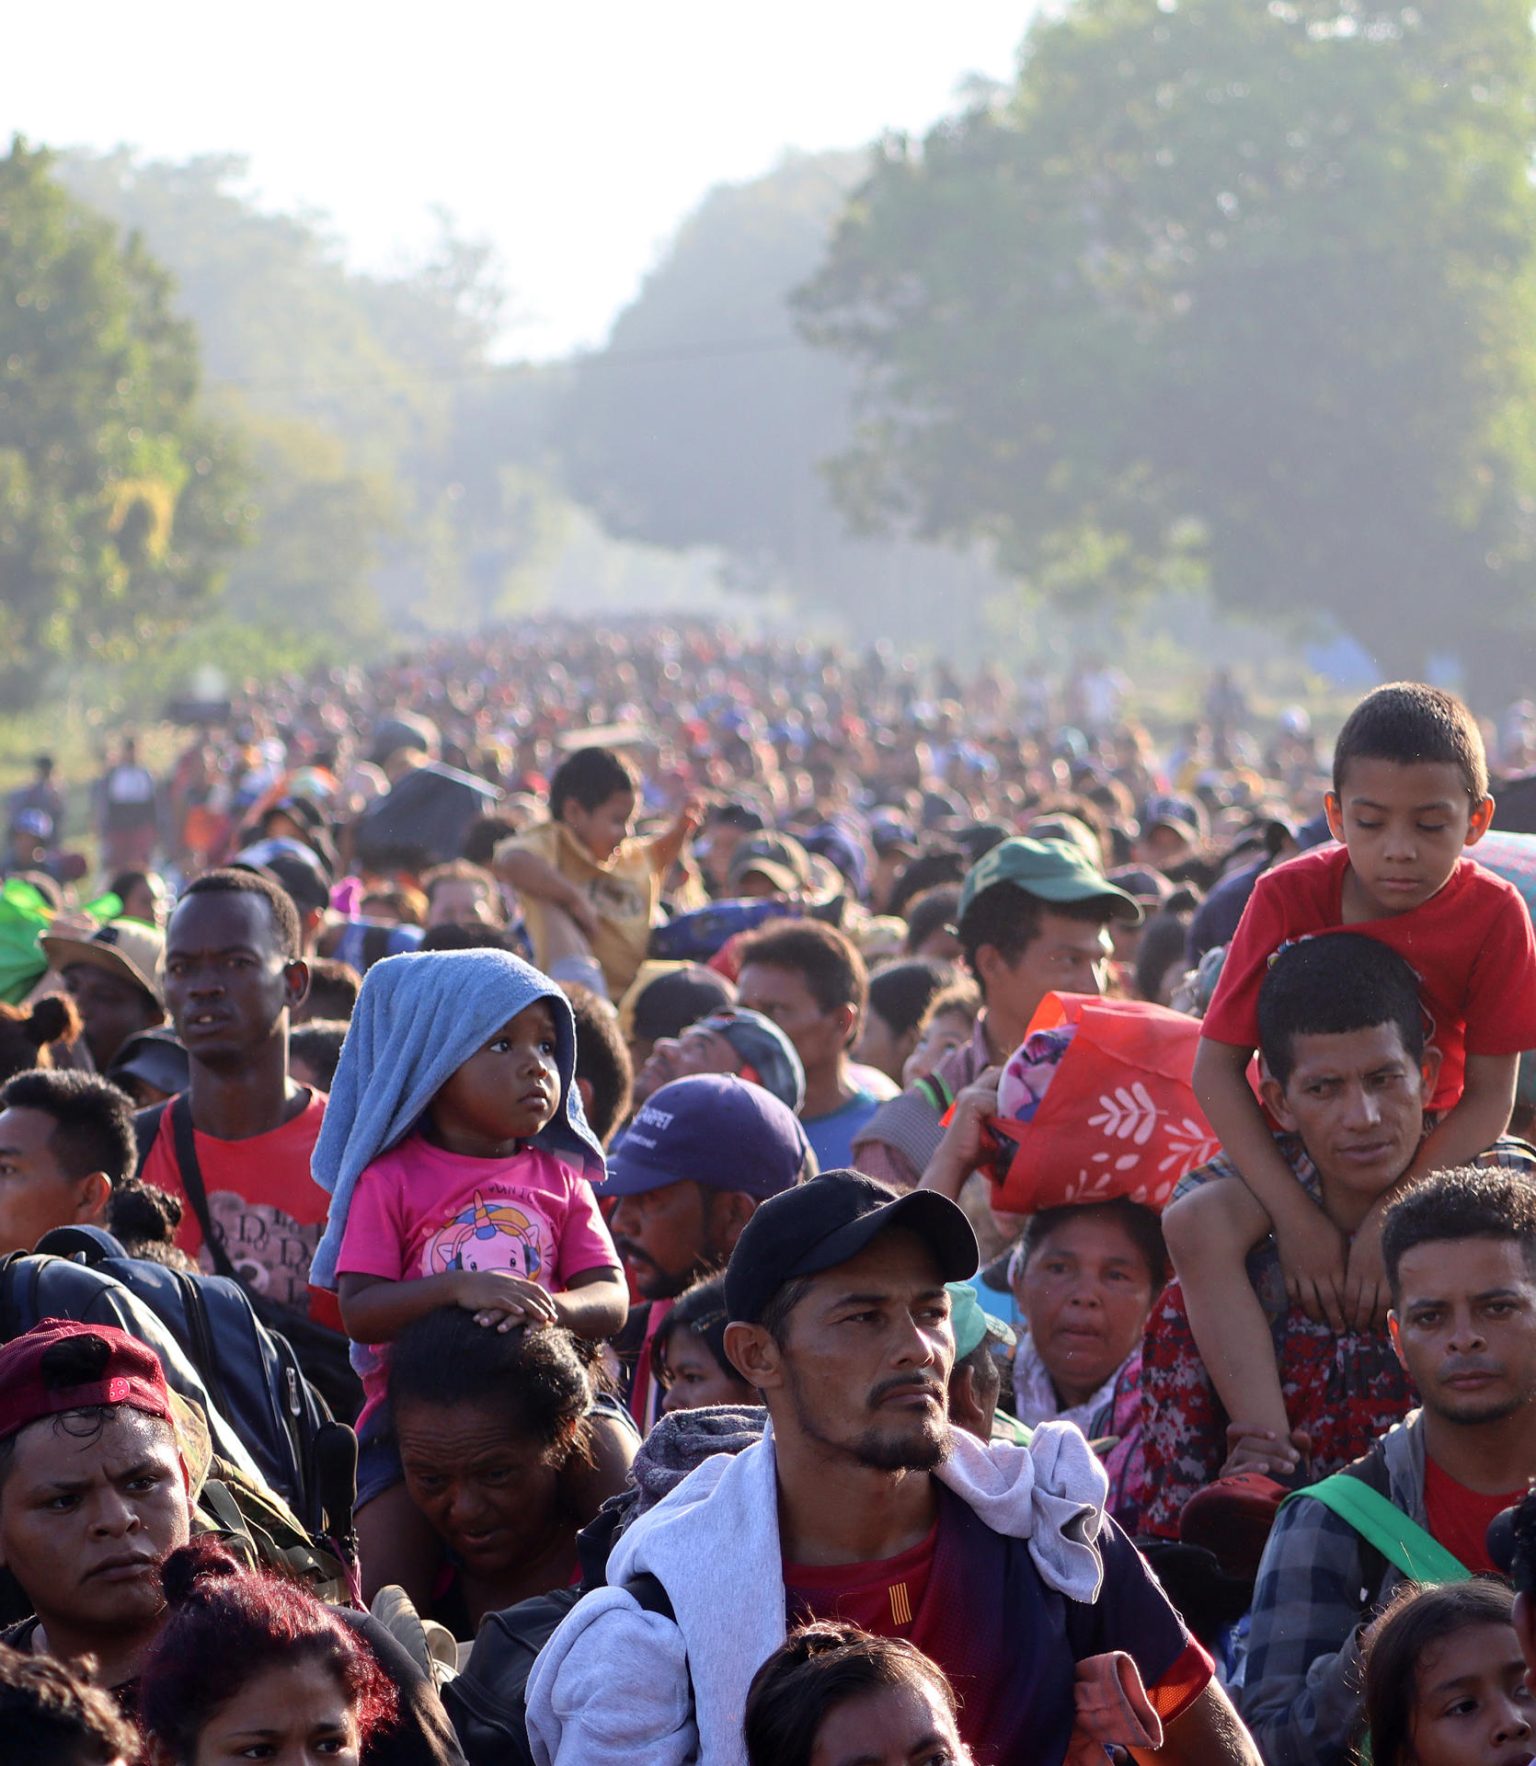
1213 295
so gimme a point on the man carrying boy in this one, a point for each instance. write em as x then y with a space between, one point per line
1410 791
1347 1076
590 891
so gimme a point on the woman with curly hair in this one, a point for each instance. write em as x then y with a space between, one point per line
508 1448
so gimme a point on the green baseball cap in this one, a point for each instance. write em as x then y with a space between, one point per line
971 1321
1049 870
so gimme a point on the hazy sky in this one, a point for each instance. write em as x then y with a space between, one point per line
575 136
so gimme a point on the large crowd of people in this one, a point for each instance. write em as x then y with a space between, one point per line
658 1196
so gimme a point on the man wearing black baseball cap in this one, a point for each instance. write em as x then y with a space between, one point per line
1034 919
862 1502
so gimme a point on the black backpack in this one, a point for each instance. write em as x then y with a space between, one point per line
250 1374
488 1701
34 1288
322 1354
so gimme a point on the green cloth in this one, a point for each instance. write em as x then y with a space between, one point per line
23 915
1401 1541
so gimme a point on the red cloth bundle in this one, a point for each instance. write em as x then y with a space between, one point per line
1119 1117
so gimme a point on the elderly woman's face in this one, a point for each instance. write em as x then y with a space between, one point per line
490 1495
1085 1293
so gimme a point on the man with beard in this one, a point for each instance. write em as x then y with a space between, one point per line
698 1158
860 1501
1460 1252
1348 1073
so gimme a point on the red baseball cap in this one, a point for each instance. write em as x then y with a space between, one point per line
125 1371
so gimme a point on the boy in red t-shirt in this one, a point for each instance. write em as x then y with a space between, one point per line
1410 792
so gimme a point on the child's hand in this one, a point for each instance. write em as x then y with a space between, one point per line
1252 1449
503 1300
1365 1289
1312 1257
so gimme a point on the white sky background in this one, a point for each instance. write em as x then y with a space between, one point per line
575 136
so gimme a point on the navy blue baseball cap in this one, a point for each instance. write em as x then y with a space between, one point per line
709 1128
829 1221
1176 811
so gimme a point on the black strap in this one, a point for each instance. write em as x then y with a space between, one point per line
321 1354
146 1125
192 1183
14 1317
649 1595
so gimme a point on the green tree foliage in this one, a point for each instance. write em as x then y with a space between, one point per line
119 500
1221 289
320 529
365 397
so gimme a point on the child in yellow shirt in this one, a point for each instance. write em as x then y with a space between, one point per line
590 891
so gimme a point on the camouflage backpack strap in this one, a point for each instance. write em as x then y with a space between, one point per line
258 1525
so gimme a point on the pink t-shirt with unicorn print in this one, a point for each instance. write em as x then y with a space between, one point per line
419 1210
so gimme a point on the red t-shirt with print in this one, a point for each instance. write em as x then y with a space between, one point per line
263 1199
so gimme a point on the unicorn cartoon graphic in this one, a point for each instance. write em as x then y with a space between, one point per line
486 1235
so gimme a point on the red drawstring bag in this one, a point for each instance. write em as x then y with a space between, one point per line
1119 1117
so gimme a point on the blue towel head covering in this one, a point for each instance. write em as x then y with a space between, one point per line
418 1019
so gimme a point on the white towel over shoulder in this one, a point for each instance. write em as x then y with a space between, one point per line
616 1685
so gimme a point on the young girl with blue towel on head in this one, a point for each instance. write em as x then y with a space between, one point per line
460 1169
